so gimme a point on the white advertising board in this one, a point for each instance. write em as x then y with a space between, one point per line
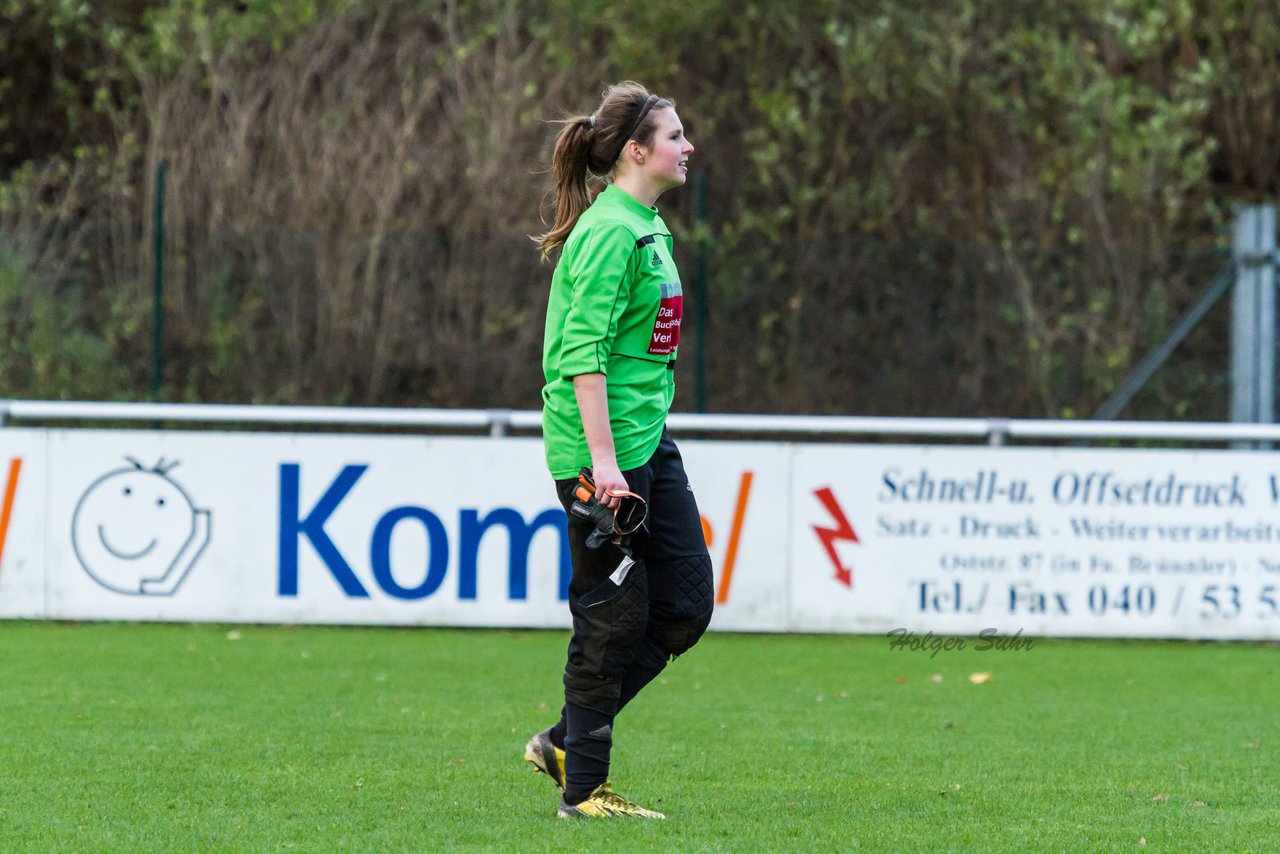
291 528
393 530
1133 543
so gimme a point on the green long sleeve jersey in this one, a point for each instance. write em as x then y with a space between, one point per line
615 309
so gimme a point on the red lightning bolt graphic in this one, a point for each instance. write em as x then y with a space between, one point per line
842 531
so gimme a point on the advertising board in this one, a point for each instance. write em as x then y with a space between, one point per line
466 531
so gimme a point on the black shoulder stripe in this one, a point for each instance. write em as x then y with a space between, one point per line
646 240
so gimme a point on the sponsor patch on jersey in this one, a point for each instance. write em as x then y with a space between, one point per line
666 325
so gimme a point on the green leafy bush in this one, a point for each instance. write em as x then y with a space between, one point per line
977 207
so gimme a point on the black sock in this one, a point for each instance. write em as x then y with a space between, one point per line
558 731
588 739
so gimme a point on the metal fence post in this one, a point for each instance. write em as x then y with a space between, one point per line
701 311
1253 316
157 314
499 422
997 431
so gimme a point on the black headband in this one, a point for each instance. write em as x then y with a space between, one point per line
635 126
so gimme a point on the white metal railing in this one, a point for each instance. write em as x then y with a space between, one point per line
499 421
217 413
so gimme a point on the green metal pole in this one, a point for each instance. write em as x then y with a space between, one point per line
701 311
157 339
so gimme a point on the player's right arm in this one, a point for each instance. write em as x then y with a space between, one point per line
592 392
600 269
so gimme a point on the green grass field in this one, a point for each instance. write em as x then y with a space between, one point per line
213 738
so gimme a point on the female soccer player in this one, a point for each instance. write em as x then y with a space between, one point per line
609 353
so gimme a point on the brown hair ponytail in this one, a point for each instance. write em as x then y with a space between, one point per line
591 145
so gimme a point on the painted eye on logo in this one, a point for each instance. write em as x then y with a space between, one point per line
136 531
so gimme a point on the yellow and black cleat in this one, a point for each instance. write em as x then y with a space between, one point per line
604 802
546 757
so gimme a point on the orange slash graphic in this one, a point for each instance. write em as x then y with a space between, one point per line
10 490
735 534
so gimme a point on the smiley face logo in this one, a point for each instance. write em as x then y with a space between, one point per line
136 531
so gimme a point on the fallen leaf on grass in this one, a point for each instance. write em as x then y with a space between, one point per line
1180 767
1160 796
458 762
979 678
937 678
949 725
1198 803
1253 744
901 680
1142 840
955 787
233 635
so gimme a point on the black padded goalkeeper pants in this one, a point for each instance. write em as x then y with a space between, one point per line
630 618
